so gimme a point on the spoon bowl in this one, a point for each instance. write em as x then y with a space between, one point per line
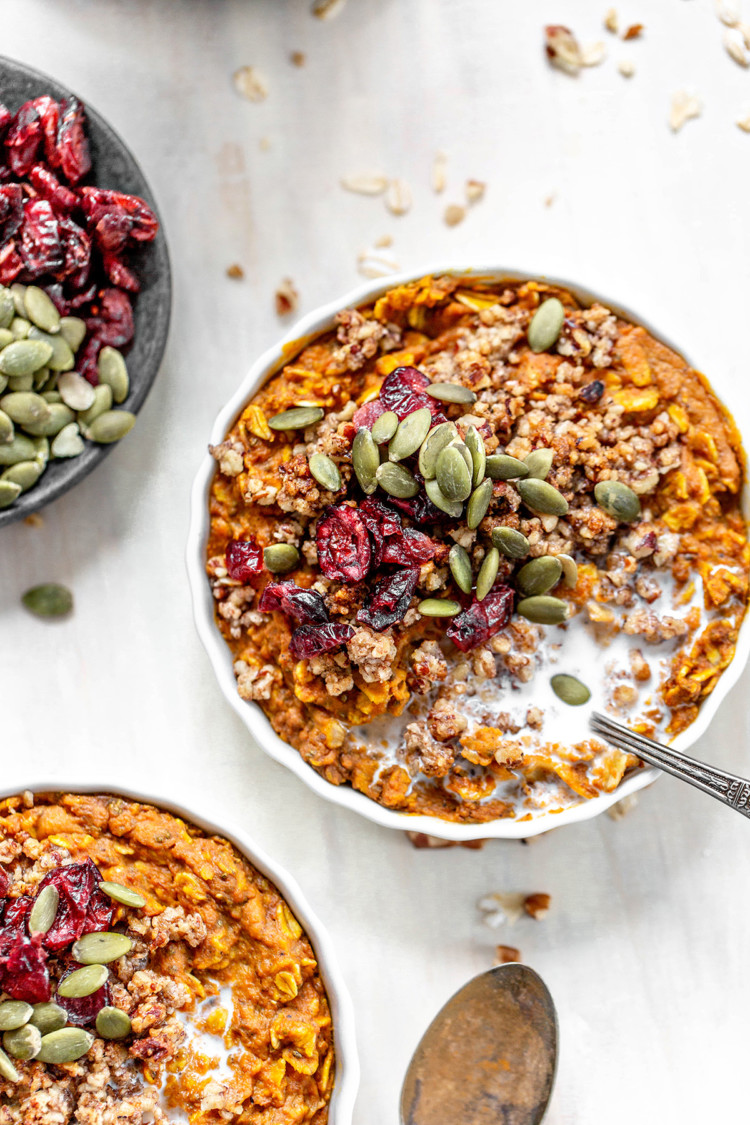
489 1056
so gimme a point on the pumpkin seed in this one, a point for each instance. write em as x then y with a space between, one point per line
75 391
479 502
500 466
539 575
410 434
7 1070
460 567
41 377
65 1046
18 293
365 460
545 325
126 895
41 310
544 610
22 382
453 508
14 1013
569 570
100 948
487 573
452 474
73 331
59 415
439 607
25 407
9 493
19 448
20 326
24 1043
475 446
44 910
542 497
280 558
539 463
50 396
62 358
570 690
83 982
616 498
110 426
113 1023
6 337
433 446
41 450
24 357
23 473
396 480
384 427
298 418
451 392
102 402
325 471
6 428
68 442
48 1017
48 600
7 308
113 372
512 543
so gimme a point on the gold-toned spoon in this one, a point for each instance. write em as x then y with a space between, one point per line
488 1057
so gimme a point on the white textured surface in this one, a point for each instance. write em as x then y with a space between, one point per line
645 946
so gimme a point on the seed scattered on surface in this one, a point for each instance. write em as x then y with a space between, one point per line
479 502
280 558
113 1023
298 418
542 497
513 544
384 427
546 324
452 508
570 690
475 190
439 607
569 570
44 910
410 434
83 982
365 460
396 480
539 463
125 895
48 600
544 610
24 357
14 1013
433 446
48 1017
460 568
111 426
325 471
41 310
487 573
113 372
500 466
453 475
250 83
65 1046
539 575
7 1070
617 500
25 1043
451 392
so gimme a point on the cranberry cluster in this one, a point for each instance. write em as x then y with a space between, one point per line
71 240
83 909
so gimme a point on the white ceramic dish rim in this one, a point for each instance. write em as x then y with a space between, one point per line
315 322
347 1072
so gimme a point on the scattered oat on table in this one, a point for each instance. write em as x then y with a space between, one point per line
734 45
250 83
502 908
286 298
371 264
297 58
365 183
327 9
235 271
566 53
728 12
633 32
475 190
537 906
420 841
611 21
743 122
384 241
684 107
454 214
398 197
439 165
626 68
507 954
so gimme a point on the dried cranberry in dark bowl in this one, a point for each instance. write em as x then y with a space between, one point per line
113 168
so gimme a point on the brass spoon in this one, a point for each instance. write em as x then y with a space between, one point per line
488 1057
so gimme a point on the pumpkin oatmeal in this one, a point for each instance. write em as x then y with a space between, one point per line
463 513
148 973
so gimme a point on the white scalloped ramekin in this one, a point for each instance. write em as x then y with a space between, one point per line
321 320
346 1080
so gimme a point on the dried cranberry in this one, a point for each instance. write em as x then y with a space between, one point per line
306 607
24 971
75 884
115 318
402 392
10 263
592 392
142 224
14 922
5 118
368 413
82 1012
77 252
71 152
120 274
99 912
309 640
4 876
380 518
11 211
408 548
343 544
244 558
24 138
40 245
390 599
482 619
49 187
420 508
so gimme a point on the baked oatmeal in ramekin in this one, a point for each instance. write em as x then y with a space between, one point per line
465 511
149 973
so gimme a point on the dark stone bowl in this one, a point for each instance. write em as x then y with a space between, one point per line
113 167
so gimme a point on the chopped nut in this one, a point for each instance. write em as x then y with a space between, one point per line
728 12
367 183
235 271
563 50
633 32
684 107
592 54
250 83
537 905
297 58
626 68
734 45
454 214
383 242
398 197
507 955
501 908
475 190
611 21
286 298
621 808
327 9
438 172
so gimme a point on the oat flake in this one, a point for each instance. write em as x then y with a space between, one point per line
398 197
626 68
734 45
454 214
611 21
563 50
365 183
593 54
743 122
728 12
373 265
250 83
327 9
684 107
438 172
475 190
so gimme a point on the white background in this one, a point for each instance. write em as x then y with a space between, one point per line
645 947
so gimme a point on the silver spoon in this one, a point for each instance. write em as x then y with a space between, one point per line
726 787
488 1057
